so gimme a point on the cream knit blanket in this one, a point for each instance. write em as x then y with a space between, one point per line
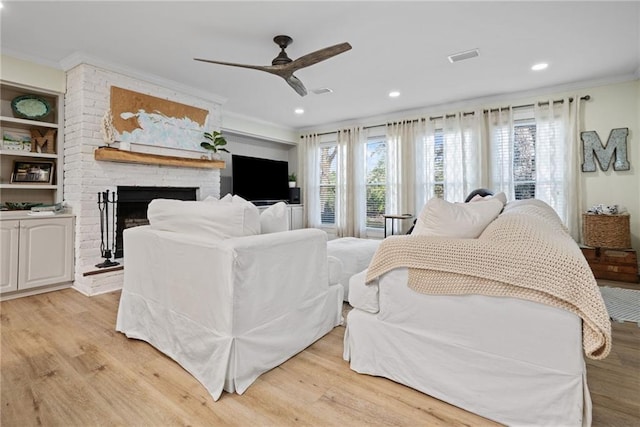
525 253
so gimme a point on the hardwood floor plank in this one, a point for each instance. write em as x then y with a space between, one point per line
63 364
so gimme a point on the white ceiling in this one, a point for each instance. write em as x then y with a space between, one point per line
396 46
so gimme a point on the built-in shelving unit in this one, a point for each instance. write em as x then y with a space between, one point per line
47 193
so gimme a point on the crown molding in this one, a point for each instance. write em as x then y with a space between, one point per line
78 58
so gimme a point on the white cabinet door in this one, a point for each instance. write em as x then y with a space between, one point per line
9 255
46 251
297 217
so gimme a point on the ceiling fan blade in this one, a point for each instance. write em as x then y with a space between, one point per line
286 70
317 56
296 84
268 68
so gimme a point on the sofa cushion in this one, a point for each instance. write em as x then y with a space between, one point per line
458 220
274 219
211 219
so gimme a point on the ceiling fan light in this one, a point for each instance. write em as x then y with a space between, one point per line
299 111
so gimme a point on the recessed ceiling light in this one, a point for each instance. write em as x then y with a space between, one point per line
540 66
322 90
299 111
394 94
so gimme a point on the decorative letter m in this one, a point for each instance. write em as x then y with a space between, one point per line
616 144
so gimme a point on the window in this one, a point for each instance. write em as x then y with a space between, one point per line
376 182
524 159
328 162
447 158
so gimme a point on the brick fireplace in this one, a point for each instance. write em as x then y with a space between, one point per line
86 101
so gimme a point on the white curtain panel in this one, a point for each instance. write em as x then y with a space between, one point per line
350 191
558 160
403 139
462 139
425 164
499 142
462 156
309 172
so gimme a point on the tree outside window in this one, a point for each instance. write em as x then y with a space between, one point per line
376 182
524 161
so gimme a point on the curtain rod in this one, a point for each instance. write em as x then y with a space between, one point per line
559 101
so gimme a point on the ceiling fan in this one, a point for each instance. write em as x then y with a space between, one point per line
284 66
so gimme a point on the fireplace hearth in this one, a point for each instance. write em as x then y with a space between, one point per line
131 210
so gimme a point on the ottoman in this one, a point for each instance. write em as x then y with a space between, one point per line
354 255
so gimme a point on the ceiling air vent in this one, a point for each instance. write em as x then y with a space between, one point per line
321 90
461 56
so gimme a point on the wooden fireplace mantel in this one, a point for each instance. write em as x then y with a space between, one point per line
109 154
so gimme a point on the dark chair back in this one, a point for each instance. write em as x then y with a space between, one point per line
482 192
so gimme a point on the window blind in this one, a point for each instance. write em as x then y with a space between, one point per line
328 169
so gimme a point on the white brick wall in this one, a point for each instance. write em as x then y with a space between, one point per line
86 101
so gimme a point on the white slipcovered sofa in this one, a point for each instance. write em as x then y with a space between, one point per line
493 320
225 302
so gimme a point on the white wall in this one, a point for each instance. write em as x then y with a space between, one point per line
610 107
30 74
242 125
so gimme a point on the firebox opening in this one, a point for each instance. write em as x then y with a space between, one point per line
131 209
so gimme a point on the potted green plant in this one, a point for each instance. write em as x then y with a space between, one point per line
215 143
292 180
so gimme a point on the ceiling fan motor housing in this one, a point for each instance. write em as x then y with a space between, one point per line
283 42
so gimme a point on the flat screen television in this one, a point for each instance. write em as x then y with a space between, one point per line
262 181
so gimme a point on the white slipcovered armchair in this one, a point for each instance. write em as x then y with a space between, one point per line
226 308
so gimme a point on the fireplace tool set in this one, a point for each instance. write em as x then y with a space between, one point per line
107 228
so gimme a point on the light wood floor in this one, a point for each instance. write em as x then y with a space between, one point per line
63 363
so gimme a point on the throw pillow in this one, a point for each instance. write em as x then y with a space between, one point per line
457 220
251 213
275 218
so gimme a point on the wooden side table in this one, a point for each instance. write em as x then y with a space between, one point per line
394 217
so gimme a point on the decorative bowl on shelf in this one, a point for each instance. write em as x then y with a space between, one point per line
30 107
